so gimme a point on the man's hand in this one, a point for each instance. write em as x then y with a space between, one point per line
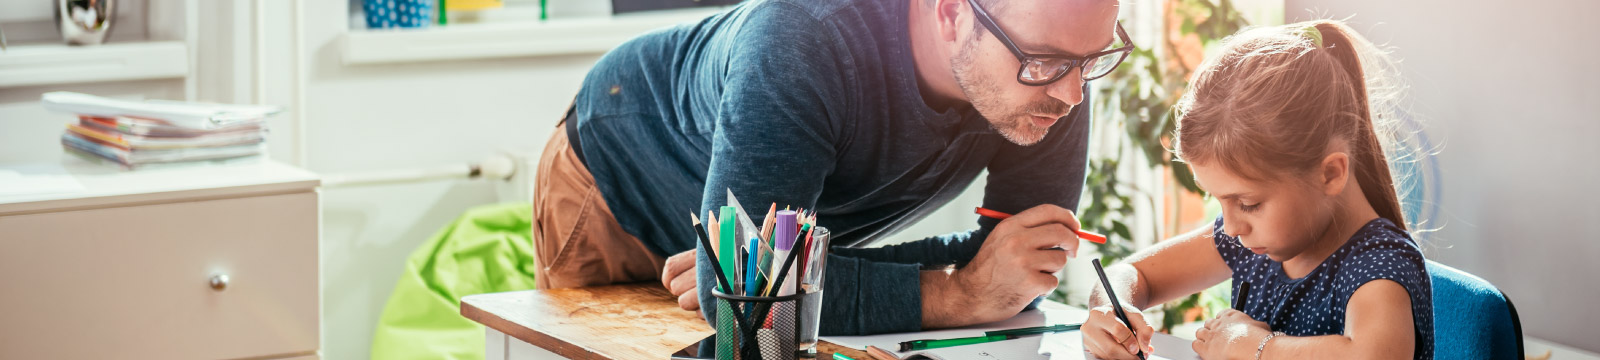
1017 263
678 277
1231 335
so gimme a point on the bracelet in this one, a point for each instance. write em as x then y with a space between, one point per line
1264 341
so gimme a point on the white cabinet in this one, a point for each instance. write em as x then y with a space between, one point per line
132 266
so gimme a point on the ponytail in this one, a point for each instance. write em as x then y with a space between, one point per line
1371 166
1274 99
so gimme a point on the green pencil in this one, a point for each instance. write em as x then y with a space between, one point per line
1036 330
942 343
990 336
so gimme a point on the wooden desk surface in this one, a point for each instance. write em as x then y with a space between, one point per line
617 322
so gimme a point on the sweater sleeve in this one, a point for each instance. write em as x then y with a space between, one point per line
781 97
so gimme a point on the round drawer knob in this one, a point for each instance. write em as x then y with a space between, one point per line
219 282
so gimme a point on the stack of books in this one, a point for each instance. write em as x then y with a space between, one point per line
139 133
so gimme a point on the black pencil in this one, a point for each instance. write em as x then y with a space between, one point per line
1242 297
1116 306
705 241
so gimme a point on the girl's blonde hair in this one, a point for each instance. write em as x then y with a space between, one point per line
1275 98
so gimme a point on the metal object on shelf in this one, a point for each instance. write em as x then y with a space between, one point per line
219 282
85 22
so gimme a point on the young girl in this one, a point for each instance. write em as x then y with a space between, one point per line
1279 127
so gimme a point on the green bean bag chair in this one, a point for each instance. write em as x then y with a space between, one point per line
488 249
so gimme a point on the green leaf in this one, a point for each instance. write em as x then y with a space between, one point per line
1117 227
1185 177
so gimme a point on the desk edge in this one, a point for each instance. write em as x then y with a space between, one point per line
533 337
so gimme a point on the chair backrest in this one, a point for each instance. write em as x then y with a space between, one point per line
1471 318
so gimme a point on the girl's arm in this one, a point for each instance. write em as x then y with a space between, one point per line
1171 269
1161 273
1375 328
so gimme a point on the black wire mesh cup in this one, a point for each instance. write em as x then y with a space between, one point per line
765 327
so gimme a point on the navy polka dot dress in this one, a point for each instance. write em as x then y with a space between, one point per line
1315 304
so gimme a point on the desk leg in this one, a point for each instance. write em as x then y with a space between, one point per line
494 344
499 346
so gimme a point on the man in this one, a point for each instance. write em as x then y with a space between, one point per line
874 113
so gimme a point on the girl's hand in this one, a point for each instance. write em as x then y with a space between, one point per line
1107 338
1231 335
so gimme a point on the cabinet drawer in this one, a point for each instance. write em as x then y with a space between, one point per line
133 282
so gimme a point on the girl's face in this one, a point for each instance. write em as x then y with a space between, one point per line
1280 219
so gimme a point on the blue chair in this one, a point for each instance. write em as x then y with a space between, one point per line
1471 318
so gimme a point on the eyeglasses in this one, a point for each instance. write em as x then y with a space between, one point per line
1043 69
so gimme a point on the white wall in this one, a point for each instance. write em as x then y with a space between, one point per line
1510 87
375 117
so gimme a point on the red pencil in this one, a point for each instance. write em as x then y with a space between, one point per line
1092 237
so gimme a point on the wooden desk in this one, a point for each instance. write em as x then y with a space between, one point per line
618 322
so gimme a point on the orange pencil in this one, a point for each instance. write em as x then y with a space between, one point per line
1092 237
880 354
713 228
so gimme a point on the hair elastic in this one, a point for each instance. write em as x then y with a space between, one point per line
1311 32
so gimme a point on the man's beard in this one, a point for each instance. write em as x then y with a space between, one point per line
1016 126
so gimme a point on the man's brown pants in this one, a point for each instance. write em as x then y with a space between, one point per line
576 240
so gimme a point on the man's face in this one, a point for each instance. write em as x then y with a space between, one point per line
987 71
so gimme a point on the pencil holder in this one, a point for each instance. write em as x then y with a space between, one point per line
764 327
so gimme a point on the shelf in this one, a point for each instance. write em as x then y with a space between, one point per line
50 64
508 39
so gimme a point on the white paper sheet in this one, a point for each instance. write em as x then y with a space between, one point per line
1066 345
26 180
193 115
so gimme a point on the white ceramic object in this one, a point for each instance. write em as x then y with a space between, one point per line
85 22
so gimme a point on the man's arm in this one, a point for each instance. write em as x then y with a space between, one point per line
1021 179
934 252
781 106
1044 179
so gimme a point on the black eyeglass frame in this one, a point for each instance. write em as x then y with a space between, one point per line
1072 61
